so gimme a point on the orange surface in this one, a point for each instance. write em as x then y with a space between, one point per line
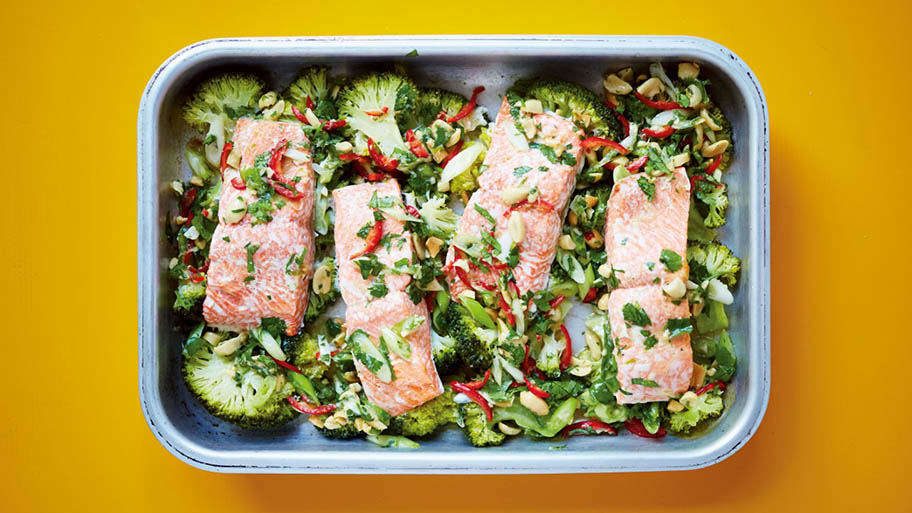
836 435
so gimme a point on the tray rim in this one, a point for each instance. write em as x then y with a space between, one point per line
457 462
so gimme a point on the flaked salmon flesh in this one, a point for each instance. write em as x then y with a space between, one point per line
235 297
509 168
416 380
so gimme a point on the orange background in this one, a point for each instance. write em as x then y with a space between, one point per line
835 437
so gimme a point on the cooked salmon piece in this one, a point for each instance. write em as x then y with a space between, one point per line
661 366
536 251
508 168
638 229
416 380
353 216
280 252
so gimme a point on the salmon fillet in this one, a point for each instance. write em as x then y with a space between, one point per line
278 285
666 365
507 167
416 380
637 229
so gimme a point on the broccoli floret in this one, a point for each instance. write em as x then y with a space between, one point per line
427 418
725 133
188 296
698 408
431 102
474 344
250 396
714 260
549 357
439 219
362 105
714 195
314 83
220 100
574 102
476 428
444 352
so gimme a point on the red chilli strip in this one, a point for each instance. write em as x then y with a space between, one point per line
590 143
514 289
568 348
415 145
590 296
285 189
383 162
197 278
706 388
474 396
467 108
188 257
331 354
187 200
487 286
412 211
310 103
238 184
610 105
588 427
636 427
189 219
478 385
307 409
365 171
297 114
537 392
372 240
657 104
223 163
463 277
456 150
662 133
711 168
286 365
638 163
624 122
502 303
556 302
377 113
329 126
202 269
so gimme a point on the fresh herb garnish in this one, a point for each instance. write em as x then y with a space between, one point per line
648 188
634 314
251 268
378 289
671 260
644 382
485 214
676 327
521 171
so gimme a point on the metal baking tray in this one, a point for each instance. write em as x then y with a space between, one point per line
460 63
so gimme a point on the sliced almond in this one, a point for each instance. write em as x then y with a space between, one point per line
698 375
688 70
650 88
566 242
322 280
513 195
616 85
715 149
535 404
516 227
674 406
433 244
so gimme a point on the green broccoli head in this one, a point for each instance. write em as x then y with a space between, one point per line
713 260
698 408
443 349
221 99
427 418
314 83
373 105
343 432
189 296
439 219
573 102
474 344
241 388
431 102
714 195
548 360
476 428
725 133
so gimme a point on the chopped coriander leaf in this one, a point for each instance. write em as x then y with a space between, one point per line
378 216
547 151
644 382
650 265
369 265
378 289
634 314
251 250
676 327
650 339
521 170
226 238
485 214
671 260
543 169
384 202
441 137
513 257
494 243
567 159
648 188
295 264
364 230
